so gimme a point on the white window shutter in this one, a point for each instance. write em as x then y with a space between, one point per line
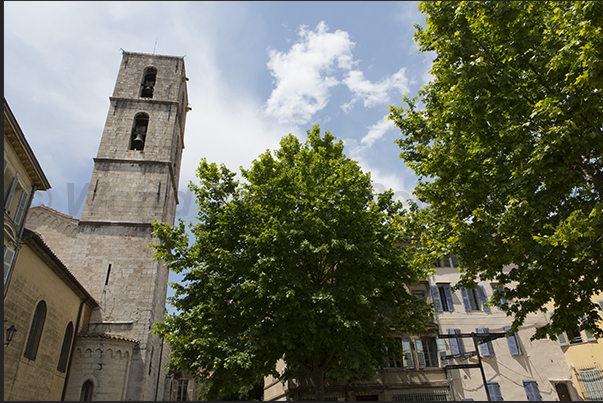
419 350
406 349
449 298
9 256
11 192
435 295
441 343
20 213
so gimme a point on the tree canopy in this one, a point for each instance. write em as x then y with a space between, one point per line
507 140
298 261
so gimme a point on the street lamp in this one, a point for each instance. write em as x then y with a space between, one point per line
10 333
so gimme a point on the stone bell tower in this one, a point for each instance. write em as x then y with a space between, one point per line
134 183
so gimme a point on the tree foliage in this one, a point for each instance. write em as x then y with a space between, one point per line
297 261
508 148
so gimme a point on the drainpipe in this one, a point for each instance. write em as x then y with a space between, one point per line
75 333
159 368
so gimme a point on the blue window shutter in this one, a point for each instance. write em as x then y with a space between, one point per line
435 295
460 341
449 298
498 289
532 391
482 297
513 343
486 348
454 345
465 300
494 390
561 337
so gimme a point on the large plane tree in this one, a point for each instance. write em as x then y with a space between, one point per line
507 139
297 261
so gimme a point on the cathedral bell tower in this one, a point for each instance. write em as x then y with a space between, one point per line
134 182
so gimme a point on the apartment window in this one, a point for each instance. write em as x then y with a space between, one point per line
513 343
395 354
65 348
499 290
573 336
442 298
592 382
456 344
532 392
427 352
35 332
486 348
182 390
475 300
494 390
86 393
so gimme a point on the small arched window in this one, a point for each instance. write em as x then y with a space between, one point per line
139 131
86 393
148 82
35 332
65 348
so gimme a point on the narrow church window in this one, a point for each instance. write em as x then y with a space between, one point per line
65 348
35 332
108 273
148 82
86 394
139 132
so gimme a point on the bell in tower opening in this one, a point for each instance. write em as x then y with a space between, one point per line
139 132
148 83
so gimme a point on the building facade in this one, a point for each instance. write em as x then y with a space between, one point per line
134 183
515 368
43 302
584 355
22 177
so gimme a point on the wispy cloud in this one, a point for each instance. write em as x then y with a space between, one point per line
374 94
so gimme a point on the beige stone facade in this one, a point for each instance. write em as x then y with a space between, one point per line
134 183
40 280
514 368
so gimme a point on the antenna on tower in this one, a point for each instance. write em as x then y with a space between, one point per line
155 46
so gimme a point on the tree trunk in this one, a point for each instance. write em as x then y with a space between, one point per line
319 385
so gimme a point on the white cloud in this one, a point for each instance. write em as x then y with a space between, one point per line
374 94
305 73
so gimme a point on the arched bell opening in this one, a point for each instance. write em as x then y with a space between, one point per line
148 82
139 131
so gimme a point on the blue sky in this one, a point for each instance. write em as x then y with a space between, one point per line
258 71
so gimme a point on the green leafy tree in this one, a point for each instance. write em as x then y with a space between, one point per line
297 262
508 145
